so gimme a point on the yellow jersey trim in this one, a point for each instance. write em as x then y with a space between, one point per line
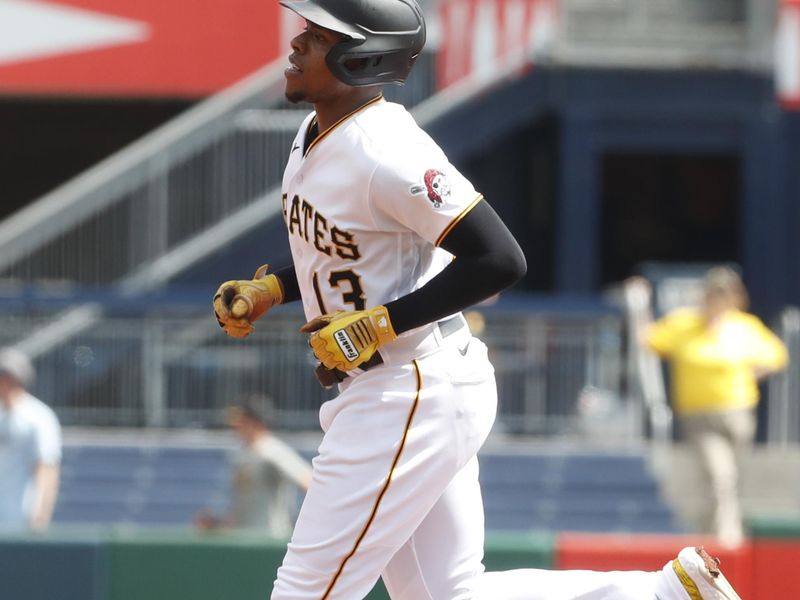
330 129
457 220
386 485
688 584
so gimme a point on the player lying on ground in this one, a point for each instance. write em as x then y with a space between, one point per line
389 243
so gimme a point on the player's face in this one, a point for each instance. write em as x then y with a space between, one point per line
308 78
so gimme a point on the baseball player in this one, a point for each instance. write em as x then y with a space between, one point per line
389 243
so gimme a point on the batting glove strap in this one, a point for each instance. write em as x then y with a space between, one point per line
345 340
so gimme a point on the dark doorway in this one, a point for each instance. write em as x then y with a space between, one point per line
518 177
46 141
665 207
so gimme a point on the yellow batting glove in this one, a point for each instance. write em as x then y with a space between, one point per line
238 303
346 339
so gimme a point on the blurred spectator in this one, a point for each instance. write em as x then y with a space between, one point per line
267 474
476 322
30 448
717 353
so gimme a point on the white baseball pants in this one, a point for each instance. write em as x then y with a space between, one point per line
395 494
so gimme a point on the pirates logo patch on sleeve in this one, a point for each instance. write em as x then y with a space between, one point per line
436 186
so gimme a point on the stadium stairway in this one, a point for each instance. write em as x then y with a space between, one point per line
769 485
543 491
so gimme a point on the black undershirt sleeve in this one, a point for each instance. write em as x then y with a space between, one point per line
487 260
291 289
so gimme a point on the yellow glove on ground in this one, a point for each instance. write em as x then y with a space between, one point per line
346 339
238 303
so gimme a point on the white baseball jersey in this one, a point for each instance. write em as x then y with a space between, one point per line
394 491
366 206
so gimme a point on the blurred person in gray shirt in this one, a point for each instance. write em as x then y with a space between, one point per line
30 448
267 475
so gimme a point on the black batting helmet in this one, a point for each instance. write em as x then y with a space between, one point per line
384 37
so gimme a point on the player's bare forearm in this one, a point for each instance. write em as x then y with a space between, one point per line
487 260
47 479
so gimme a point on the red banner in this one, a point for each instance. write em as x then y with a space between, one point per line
787 54
166 48
481 36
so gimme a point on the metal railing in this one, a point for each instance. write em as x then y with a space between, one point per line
169 200
783 389
644 374
165 371
559 373
227 154
222 160
149 197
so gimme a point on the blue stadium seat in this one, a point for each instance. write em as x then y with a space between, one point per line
573 492
141 485
166 486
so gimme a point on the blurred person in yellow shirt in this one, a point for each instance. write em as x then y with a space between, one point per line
717 354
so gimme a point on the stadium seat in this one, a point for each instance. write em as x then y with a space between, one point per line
166 486
141 485
573 492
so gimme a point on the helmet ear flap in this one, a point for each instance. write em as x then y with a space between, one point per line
342 62
354 63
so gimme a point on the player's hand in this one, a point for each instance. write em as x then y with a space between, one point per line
205 520
346 339
238 303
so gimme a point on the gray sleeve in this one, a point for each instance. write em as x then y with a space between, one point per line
289 462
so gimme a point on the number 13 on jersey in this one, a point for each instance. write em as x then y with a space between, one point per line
349 282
